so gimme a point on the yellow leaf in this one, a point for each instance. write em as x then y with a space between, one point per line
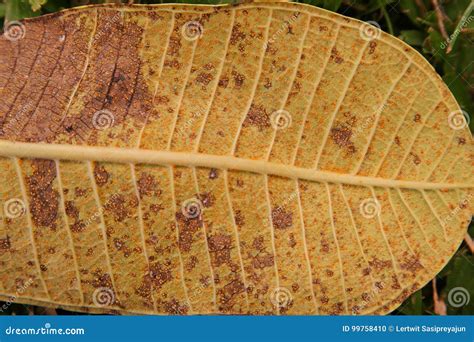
269 158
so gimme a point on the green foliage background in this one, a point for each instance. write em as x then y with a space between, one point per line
413 21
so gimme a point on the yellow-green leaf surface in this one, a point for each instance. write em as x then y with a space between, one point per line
266 158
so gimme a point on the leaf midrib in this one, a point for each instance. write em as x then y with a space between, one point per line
191 159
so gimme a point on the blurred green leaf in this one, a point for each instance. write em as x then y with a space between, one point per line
410 9
18 9
36 4
460 287
413 305
412 37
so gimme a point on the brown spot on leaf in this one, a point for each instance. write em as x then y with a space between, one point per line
173 307
213 174
188 227
238 79
5 243
44 198
262 261
220 246
207 199
118 206
342 136
335 56
204 78
372 46
282 219
411 264
257 116
101 175
379 264
159 274
146 185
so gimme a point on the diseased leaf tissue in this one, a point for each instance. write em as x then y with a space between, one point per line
252 159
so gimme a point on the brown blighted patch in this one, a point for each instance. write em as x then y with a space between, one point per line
379 256
256 249
275 81
257 116
100 174
222 241
49 229
161 243
237 80
124 237
293 263
76 224
5 243
220 246
342 137
44 198
28 96
84 220
17 258
189 227
335 56
315 51
202 80
167 79
192 241
281 218
174 307
322 247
